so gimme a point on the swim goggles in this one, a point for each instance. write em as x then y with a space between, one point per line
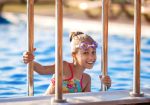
86 45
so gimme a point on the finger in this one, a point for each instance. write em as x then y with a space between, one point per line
108 86
34 49
28 59
107 77
25 62
100 76
25 53
28 55
107 80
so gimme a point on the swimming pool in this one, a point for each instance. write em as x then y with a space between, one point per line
13 71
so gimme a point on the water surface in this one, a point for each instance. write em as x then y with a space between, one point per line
13 71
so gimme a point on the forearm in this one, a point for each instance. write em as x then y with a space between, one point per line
43 70
87 89
38 68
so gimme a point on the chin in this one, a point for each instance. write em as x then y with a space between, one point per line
89 67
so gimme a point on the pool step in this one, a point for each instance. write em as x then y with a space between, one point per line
118 97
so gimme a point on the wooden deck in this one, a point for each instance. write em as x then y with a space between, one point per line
5 2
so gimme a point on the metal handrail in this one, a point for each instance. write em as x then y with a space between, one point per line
105 5
58 46
58 52
137 49
30 37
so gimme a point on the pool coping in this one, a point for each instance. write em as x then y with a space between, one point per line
117 97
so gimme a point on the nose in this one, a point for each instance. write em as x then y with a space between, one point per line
91 56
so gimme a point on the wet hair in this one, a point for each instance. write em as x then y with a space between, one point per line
78 37
73 34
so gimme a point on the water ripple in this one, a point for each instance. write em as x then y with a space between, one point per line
7 68
13 71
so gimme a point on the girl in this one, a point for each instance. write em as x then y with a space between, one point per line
83 49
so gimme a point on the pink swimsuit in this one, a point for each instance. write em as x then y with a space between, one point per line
70 85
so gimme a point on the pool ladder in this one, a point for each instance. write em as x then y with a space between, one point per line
58 53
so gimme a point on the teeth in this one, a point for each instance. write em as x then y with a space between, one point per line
90 62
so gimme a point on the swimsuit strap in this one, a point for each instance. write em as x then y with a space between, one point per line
71 73
71 70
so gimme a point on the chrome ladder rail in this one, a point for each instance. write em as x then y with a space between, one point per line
137 50
58 46
137 45
30 38
104 56
58 52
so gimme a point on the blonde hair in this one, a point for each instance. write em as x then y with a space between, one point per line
78 37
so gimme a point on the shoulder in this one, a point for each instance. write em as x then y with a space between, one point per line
86 82
65 65
86 75
64 62
66 69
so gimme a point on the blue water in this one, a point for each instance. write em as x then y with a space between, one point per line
13 71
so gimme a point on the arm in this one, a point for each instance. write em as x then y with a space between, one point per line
43 70
29 57
50 69
50 90
86 83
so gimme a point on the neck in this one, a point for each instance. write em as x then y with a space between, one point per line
78 71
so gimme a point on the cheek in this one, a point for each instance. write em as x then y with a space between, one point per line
95 57
80 58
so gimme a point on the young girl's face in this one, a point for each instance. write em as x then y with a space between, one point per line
86 57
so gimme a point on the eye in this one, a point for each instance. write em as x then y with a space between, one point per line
85 52
93 52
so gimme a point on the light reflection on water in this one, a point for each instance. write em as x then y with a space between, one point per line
13 72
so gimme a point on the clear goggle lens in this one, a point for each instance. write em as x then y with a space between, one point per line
86 45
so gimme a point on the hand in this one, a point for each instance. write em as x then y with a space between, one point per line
28 56
105 80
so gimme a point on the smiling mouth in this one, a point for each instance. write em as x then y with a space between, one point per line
91 63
